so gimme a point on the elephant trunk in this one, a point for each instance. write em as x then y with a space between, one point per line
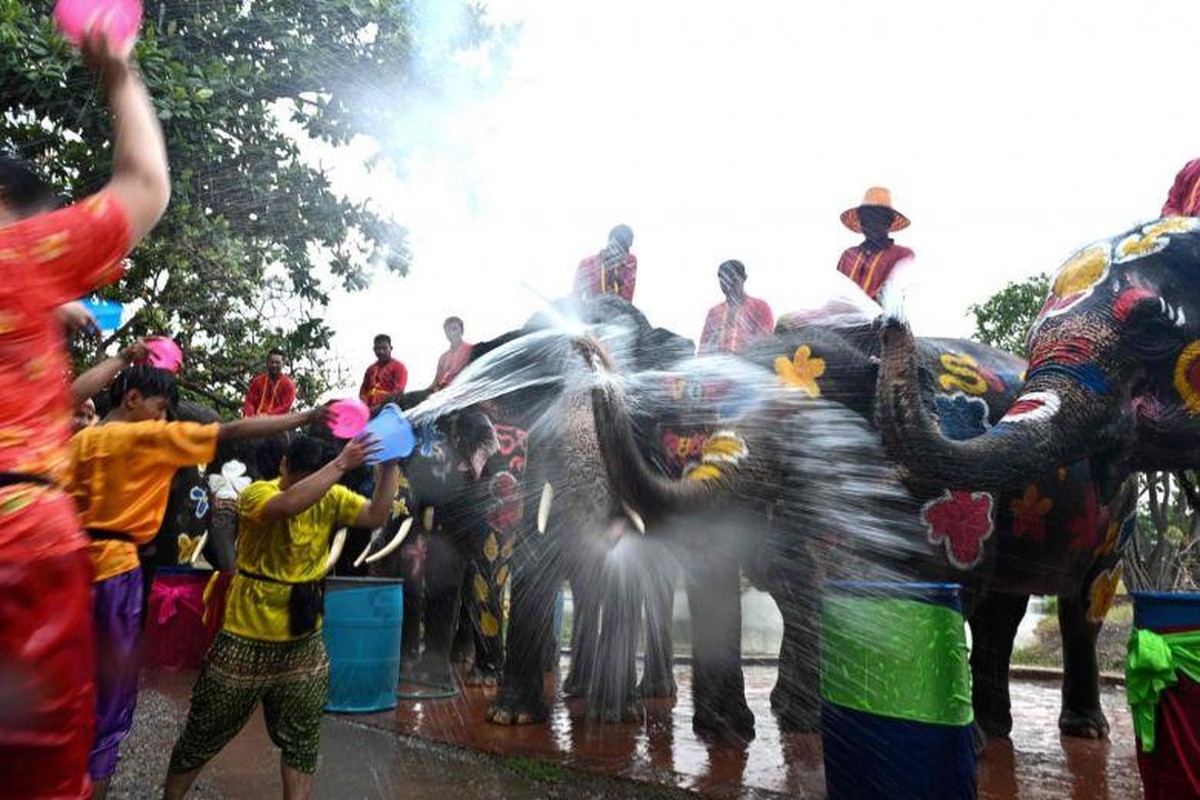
1054 422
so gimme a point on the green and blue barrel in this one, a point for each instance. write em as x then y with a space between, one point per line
1162 683
363 622
895 692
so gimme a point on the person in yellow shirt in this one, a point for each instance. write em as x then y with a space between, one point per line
270 648
119 475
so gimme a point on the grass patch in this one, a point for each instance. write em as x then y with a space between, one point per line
1046 651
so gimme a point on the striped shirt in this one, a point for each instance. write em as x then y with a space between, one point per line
870 268
1184 198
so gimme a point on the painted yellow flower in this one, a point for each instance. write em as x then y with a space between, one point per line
507 550
488 624
1110 539
1082 271
502 575
491 548
802 371
1171 225
705 472
1187 377
1104 589
723 447
961 374
482 592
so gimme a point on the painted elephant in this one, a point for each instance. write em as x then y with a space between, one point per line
517 383
1057 531
1113 384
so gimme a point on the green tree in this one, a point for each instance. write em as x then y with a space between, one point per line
255 238
1004 319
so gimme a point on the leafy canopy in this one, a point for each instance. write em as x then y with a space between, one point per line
255 238
1004 319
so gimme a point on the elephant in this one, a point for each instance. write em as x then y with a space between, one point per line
518 383
985 541
1112 384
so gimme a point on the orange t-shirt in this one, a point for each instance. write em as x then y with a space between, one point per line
120 476
45 261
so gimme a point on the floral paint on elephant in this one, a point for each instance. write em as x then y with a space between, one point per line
1029 513
1076 280
1102 592
962 521
1187 377
802 371
963 373
722 450
961 417
681 451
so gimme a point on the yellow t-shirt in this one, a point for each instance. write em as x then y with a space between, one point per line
291 550
120 475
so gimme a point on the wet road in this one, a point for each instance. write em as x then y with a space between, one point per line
395 754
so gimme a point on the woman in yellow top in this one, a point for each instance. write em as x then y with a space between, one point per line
270 647
119 475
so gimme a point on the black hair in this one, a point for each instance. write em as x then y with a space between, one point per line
453 319
733 265
623 234
307 454
275 351
150 381
383 337
27 193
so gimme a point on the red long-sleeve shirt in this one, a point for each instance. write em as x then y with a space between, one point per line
871 268
727 329
265 398
592 278
381 381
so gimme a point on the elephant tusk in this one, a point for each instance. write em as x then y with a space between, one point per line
635 518
427 519
366 550
198 549
544 507
396 541
335 549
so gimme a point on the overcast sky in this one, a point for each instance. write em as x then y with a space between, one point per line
1010 134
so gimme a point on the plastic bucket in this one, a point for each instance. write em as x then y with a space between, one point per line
176 636
106 312
895 688
1170 622
394 433
363 621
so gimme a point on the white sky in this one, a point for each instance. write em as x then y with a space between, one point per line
1009 133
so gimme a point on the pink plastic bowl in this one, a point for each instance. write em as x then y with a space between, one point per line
119 19
347 418
164 353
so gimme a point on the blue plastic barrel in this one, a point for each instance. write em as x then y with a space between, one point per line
363 620
895 692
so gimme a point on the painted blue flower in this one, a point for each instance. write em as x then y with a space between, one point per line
961 416
200 497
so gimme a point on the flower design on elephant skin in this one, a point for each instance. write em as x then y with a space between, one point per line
1085 527
1187 377
964 374
507 504
802 370
1102 592
960 416
1152 238
1029 511
1077 279
963 521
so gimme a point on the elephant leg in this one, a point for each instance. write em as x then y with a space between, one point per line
535 580
718 686
612 693
585 630
462 650
444 570
993 628
1081 714
658 670
796 698
485 592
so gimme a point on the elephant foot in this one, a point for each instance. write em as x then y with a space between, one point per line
432 669
487 678
573 685
657 686
1083 724
516 706
628 711
796 711
726 719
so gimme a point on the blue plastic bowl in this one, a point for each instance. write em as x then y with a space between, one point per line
394 432
106 312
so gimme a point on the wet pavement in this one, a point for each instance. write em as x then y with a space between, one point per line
443 748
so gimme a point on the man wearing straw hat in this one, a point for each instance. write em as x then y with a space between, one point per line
877 259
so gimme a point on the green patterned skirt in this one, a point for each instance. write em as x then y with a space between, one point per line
291 679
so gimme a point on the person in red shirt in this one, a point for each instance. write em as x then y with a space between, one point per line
1184 198
611 271
451 362
741 319
384 378
271 392
875 261
47 649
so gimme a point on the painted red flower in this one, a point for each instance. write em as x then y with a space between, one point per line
1029 511
963 521
1088 528
507 505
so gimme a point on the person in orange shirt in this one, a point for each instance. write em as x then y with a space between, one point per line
270 392
451 362
50 257
119 475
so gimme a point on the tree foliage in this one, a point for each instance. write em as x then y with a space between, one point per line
255 238
1004 319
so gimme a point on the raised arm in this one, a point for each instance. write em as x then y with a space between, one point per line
140 178
254 427
376 512
93 381
305 492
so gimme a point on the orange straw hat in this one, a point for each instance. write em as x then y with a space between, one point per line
881 198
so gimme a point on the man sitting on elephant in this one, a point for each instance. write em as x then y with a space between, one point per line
731 325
